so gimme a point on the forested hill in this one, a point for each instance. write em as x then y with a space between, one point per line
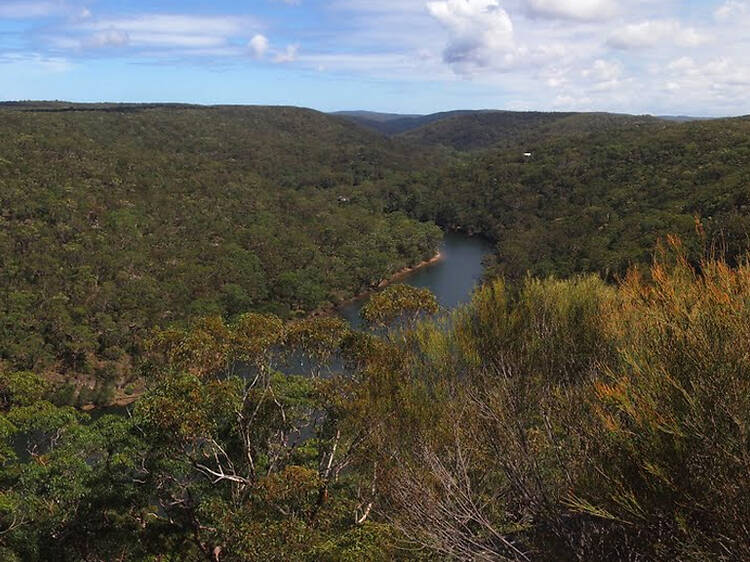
395 124
482 129
477 130
114 219
595 193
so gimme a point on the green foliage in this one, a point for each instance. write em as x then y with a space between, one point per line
559 420
596 194
570 420
68 485
118 219
20 389
398 301
554 418
227 440
223 457
474 130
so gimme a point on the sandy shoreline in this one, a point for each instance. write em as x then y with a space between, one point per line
400 274
407 270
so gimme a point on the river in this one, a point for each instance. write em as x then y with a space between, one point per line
452 279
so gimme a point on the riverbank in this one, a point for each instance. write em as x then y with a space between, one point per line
124 400
400 274
408 270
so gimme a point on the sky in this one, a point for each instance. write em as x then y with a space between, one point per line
666 57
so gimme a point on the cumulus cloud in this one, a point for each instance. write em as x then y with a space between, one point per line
568 102
573 9
718 83
603 70
654 33
681 64
258 46
481 31
604 75
287 55
731 9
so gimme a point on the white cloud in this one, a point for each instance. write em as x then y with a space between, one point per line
258 46
29 10
167 40
287 55
153 31
603 71
604 75
422 67
109 38
655 33
632 56
572 103
35 62
721 83
731 9
481 31
573 9
682 64
175 24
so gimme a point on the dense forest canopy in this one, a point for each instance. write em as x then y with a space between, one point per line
593 193
590 403
116 221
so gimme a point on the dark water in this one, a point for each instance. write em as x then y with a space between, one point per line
452 279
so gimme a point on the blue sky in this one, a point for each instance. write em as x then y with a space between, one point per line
410 56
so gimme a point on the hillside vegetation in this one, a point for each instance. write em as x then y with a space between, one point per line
116 219
457 130
394 124
470 131
595 194
119 218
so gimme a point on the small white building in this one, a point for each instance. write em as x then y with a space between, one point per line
527 154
